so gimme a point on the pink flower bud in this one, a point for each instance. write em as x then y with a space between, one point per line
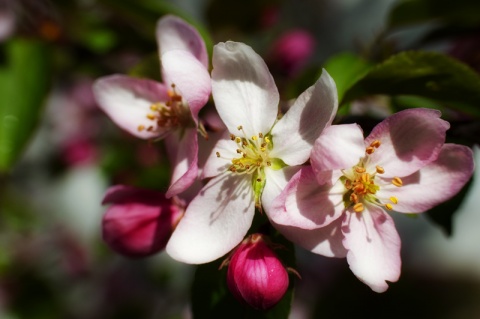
256 275
139 222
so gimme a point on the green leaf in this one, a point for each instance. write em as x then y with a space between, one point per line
426 74
24 84
212 299
346 68
459 12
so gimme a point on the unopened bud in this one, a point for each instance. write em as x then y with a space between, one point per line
256 275
139 222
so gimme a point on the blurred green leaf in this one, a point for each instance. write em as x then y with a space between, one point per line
24 84
346 68
426 74
212 299
459 12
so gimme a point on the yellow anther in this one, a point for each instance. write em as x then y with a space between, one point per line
218 154
389 206
269 163
239 151
238 139
354 198
365 178
380 169
232 137
359 169
171 93
267 140
358 207
262 149
348 184
239 127
154 107
394 199
397 181
140 128
254 138
260 135
375 144
150 116
370 150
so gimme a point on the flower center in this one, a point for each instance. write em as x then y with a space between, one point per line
169 114
362 185
253 154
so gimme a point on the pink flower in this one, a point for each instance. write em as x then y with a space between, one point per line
152 110
139 222
252 163
339 206
256 275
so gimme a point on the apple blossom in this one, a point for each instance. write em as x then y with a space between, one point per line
152 110
339 206
256 275
139 222
252 163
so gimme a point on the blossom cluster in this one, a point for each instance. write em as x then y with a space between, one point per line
324 187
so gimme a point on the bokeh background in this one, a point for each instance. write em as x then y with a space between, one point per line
57 165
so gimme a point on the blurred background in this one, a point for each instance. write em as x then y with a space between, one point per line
59 152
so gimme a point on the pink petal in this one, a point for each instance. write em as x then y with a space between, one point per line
373 247
215 221
338 147
326 241
243 89
435 183
185 165
295 133
190 77
410 140
174 33
306 204
276 180
127 101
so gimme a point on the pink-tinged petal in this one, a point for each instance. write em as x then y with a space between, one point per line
215 221
276 180
190 77
127 101
243 89
435 183
216 165
174 33
305 204
338 147
138 222
409 139
185 164
294 134
373 247
326 241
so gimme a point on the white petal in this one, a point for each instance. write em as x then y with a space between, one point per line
127 101
243 89
295 133
215 221
276 180
216 165
326 241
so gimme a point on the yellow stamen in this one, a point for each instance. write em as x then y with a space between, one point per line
394 199
389 206
218 154
238 139
397 181
150 116
140 128
239 127
380 169
354 198
232 137
154 107
359 169
370 150
254 138
358 208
